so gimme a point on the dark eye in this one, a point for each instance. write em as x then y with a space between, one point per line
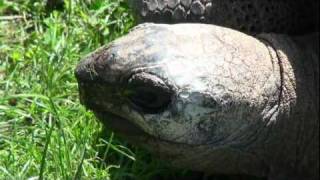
148 93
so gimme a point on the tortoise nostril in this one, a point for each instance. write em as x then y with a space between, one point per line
148 93
83 73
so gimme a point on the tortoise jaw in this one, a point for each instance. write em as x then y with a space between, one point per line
105 111
119 124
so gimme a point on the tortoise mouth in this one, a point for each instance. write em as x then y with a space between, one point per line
120 125
130 131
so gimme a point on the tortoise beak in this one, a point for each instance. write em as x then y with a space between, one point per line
120 125
102 103
105 100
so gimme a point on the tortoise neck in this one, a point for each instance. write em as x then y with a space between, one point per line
298 118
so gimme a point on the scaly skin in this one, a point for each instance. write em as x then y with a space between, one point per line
251 16
210 98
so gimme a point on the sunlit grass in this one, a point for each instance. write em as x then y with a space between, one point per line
44 131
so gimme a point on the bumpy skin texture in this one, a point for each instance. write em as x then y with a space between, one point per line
252 16
222 101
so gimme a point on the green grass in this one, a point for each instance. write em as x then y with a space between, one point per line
44 131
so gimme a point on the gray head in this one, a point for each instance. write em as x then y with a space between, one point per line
182 86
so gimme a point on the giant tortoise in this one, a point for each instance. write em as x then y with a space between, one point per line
235 94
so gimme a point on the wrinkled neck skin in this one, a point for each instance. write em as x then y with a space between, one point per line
294 136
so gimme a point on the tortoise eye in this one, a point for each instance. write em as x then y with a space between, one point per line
148 93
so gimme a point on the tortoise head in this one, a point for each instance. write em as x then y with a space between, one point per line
182 85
